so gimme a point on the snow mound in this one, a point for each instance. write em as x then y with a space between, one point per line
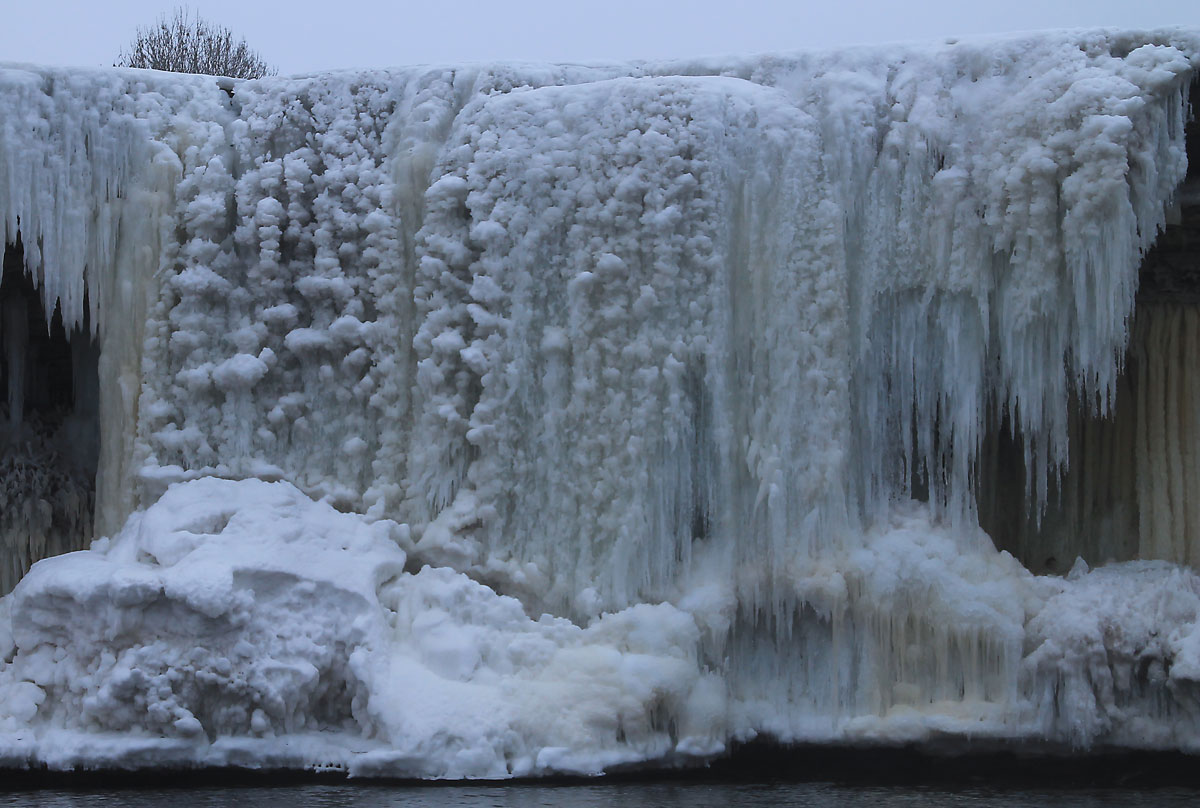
1116 655
243 622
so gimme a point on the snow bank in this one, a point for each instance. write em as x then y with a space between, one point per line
1114 655
706 361
242 623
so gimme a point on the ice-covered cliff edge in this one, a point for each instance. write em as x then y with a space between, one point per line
721 365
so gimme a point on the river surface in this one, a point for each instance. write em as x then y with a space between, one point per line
637 795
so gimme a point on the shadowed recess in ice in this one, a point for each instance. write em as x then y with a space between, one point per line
507 420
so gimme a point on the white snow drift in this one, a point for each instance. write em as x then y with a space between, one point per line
236 621
490 421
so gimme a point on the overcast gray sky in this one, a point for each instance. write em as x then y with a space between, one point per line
306 35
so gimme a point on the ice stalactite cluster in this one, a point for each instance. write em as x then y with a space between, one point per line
1125 493
559 347
1168 408
268 329
670 395
48 450
88 166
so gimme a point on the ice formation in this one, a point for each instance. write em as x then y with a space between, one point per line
514 419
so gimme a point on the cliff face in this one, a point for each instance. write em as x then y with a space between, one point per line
717 368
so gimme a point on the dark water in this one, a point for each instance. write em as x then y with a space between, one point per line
640 795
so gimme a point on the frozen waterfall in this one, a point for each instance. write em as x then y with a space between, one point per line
514 419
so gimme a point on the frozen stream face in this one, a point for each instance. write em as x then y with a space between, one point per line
509 420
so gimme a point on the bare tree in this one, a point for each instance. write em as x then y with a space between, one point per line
184 43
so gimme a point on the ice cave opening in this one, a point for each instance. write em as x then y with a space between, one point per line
49 426
1125 492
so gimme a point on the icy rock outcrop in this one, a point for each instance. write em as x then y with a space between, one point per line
665 352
